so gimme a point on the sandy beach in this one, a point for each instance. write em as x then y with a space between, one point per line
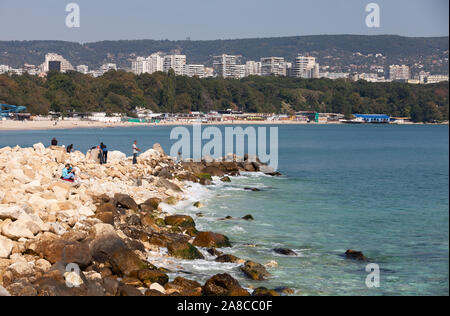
48 125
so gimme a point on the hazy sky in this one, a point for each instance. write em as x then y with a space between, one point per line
214 19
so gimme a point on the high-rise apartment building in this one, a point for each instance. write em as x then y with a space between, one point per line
65 65
195 70
253 68
151 64
273 66
175 62
228 66
397 72
305 67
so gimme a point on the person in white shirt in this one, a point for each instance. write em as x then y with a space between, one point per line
136 150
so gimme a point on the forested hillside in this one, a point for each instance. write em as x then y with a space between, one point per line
123 92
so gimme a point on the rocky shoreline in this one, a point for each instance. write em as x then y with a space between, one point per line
96 236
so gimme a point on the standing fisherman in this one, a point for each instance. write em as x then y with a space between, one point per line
136 150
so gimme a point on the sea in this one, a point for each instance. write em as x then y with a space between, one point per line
379 189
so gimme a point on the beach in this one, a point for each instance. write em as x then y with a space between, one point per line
10 125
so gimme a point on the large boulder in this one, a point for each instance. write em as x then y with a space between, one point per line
116 156
223 285
150 205
152 276
255 271
184 287
105 242
6 246
169 185
180 221
10 212
183 250
158 148
16 230
211 240
125 263
60 250
125 201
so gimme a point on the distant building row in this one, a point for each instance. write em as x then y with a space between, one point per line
227 66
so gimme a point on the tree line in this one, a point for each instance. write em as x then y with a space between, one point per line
119 91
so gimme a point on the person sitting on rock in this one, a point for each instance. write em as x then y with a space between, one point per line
69 148
54 142
68 174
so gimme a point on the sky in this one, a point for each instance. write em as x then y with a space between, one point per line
214 19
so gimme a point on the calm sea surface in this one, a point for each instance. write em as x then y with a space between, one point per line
379 189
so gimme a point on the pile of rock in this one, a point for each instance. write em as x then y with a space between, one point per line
94 237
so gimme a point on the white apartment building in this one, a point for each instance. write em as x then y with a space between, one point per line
228 66
195 70
273 66
334 75
175 62
83 69
305 67
397 72
65 65
107 67
436 79
4 69
252 68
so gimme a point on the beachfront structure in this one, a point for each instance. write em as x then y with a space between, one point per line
56 62
399 73
273 66
305 67
373 118
175 62
228 66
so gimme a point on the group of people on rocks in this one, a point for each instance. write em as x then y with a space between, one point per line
68 173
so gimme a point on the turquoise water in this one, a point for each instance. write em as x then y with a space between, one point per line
379 189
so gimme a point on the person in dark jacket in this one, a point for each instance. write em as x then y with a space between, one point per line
69 148
104 153
54 142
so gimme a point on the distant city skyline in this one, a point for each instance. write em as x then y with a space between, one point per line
213 19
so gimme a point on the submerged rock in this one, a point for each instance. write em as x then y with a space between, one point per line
226 179
248 217
228 259
355 255
255 271
285 251
262 291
